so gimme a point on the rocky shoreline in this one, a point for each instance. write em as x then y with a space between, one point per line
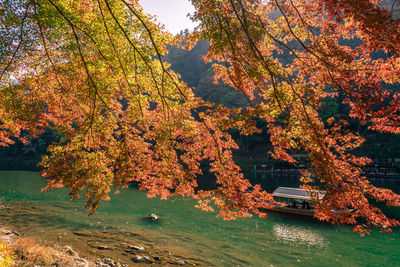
66 256
35 254
85 247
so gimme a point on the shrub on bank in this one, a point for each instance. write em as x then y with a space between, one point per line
7 255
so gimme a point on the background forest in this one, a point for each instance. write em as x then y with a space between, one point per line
383 148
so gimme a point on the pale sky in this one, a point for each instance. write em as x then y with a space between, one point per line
171 13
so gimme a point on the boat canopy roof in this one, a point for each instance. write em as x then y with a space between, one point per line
297 193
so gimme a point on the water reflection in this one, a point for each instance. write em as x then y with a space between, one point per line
298 235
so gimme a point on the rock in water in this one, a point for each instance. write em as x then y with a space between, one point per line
153 217
137 258
136 248
181 262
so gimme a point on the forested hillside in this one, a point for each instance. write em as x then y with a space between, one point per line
199 75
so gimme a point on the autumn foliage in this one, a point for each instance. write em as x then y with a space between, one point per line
94 72
7 255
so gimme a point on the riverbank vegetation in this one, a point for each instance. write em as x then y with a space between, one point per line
95 73
25 251
6 255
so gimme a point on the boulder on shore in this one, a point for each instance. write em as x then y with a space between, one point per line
107 262
70 251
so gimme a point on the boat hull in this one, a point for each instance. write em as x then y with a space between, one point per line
297 211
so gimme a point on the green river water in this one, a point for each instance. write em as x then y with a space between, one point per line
279 240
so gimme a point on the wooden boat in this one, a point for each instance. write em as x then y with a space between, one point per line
297 211
296 200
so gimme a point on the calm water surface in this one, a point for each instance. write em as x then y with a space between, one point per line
279 240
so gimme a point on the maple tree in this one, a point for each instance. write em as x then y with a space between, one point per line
94 72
